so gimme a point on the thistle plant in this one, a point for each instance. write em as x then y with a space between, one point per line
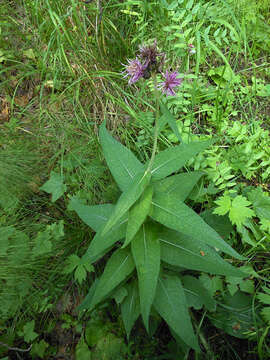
155 236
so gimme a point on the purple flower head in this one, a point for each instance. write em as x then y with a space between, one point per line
149 53
170 82
152 57
135 69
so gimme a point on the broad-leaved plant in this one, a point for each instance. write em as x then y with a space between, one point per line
154 236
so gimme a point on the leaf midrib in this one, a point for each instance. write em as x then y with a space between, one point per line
180 247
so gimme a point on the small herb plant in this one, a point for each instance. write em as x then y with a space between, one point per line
153 236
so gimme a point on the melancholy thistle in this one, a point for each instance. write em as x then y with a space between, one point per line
150 62
151 238
171 81
135 69
149 54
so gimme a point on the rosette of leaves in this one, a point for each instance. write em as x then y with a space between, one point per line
156 238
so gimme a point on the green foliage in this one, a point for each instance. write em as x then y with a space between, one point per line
130 307
82 351
173 159
184 251
94 216
196 294
237 208
145 249
123 164
103 342
245 285
59 74
39 348
264 298
171 121
43 244
118 268
151 243
28 332
79 266
178 216
260 203
21 256
240 321
178 186
128 198
54 186
170 302
138 214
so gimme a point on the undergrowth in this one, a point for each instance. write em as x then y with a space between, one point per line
60 78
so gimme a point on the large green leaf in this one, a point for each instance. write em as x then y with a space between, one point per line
127 199
95 216
130 307
221 224
179 185
178 216
236 315
101 243
196 294
138 213
146 253
170 302
178 249
171 120
118 268
122 162
174 158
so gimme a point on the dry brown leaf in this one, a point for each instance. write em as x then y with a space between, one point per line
21 100
4 110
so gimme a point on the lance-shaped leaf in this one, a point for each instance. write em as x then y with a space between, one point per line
174 158
170 120
221 224
94 216
196 294
178 249
138 213
122 162
145 249
118 268
170 302
119 294
130 307
101 243
179 186
127 199
178 216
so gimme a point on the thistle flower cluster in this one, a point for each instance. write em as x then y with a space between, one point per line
148 61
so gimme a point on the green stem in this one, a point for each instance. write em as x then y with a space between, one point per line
156 127
210 354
